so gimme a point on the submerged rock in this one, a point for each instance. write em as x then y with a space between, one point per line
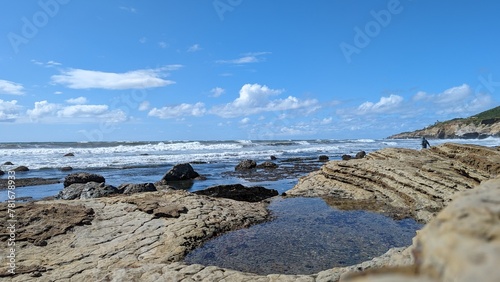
8 163
21 168
69 155
246 164
82 177
239 192
267 165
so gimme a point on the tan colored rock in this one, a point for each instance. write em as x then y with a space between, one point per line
462 243
404 181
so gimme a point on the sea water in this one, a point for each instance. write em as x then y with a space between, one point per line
139 162
305 237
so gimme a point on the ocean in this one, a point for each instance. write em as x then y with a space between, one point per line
139 162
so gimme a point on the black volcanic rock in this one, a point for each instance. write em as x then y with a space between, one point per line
246 164
130 188
267 165
179 172
239 192
21 168
82 177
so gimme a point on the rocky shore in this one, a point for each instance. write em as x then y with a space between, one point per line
145 236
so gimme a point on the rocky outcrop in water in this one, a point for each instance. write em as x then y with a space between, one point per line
82 177
179 172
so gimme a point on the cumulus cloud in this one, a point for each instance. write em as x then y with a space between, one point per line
78 101
181 110
454 94
385 105
9 110
245 120
255 98
247 58
137 79
217 91
9 87
42 109
57 113
144 106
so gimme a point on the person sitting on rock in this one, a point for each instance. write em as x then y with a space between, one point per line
425 143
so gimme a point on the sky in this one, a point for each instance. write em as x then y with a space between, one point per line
124 70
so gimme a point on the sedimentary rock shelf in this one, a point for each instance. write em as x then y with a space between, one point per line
404 182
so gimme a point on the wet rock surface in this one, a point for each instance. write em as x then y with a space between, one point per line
239 192
33 181
82 177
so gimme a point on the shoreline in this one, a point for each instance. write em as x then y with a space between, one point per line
439 184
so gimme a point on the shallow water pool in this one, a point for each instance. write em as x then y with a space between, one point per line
305 237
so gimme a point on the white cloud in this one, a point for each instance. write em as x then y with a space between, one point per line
138 79
217 91
82 111
142 40
255 98
245 120
42 109
58 92
9 110
77 101
181 110
385 105
144 106
194 48
246 58
48 64
454 94
9 87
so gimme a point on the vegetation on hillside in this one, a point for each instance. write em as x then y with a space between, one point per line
491 114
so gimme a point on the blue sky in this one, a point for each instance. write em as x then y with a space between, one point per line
74 70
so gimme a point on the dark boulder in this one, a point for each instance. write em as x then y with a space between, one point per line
8 163
1 172
66 168
246 164
323 158
86 191
239 192
82 177
273 158
69 155
179 172
346 157
97 190
71 192
21 168
360 154
130 188
267 165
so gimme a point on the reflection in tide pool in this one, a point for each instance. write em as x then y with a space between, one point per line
306 236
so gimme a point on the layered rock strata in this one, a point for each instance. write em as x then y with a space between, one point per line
403 182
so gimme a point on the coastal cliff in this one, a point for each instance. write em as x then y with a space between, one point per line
482 125
145 236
